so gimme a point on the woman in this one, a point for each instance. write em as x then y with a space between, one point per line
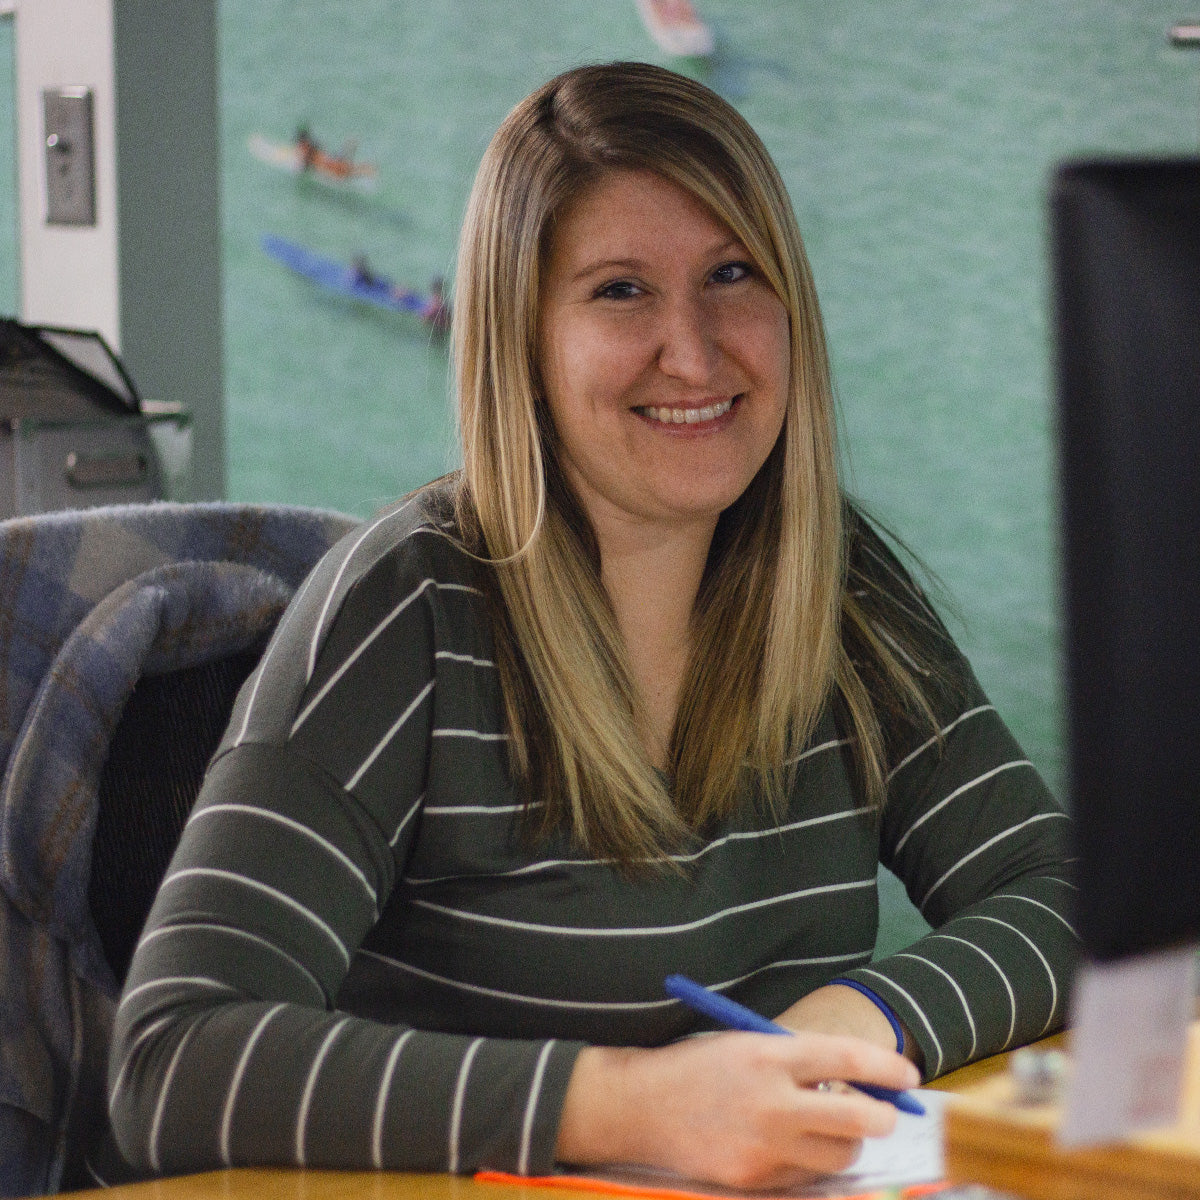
636 692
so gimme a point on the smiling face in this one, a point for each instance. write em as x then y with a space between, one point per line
664 354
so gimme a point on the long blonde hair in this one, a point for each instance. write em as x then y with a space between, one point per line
768 649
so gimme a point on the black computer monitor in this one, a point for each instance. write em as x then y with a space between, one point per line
1125 254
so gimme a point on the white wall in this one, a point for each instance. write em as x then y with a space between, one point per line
148 274
68 273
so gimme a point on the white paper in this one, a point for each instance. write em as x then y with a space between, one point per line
910 1154
1129 1028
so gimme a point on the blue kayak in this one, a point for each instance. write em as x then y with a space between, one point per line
344 279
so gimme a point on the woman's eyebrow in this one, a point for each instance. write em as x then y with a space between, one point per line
636 264
607 264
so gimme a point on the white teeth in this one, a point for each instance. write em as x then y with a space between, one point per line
687 416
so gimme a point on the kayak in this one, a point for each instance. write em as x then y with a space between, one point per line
342 279
329 168
677 27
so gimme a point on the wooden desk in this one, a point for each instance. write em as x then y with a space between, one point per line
266 1183
971 1076
992 1139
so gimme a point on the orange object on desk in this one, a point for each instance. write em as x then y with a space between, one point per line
607 1187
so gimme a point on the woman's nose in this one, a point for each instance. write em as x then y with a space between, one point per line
688 350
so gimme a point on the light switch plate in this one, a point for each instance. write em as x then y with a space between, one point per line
70 156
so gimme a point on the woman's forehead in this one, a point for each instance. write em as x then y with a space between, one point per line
619 205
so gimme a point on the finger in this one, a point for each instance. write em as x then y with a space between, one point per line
815 1057
804 1159
826 1155
847 1115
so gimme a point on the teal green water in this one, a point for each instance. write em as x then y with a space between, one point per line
916 137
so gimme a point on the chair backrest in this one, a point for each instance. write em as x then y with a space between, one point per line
156 761
125 634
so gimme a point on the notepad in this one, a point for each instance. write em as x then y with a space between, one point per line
909 1157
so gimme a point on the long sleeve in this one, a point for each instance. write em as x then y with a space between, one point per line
983 850
243 1057
229 1046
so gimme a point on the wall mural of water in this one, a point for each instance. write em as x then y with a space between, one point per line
916 137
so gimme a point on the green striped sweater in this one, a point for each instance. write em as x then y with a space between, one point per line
359 958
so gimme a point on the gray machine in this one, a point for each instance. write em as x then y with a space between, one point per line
74 432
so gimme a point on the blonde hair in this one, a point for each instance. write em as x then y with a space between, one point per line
768 651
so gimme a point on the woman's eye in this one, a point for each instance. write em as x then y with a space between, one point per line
619 289
732 272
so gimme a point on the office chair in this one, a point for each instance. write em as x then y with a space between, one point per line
156 761
125 634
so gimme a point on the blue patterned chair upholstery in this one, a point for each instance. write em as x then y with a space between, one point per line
125 633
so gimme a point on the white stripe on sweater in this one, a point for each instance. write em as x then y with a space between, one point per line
478 989
917 1009
450 810
957 991
456 1110
231 931
535 1091
966 858
477 734
1042 958
464 658
356 653
170 980
385 1087
261 669
1031 900
1065 882
161 1105
267 889
408 816
642 931
550 864
235 1083
958 791
1012 998
319 628
310 1085
937 737
399 723
831 745
304 830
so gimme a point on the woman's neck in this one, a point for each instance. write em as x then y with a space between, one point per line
652 579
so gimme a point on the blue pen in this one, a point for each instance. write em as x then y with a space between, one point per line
736 1016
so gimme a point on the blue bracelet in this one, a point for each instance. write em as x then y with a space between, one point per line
880 1004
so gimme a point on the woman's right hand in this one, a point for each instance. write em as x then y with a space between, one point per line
738 1109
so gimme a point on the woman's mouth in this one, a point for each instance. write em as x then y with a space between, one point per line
686 416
